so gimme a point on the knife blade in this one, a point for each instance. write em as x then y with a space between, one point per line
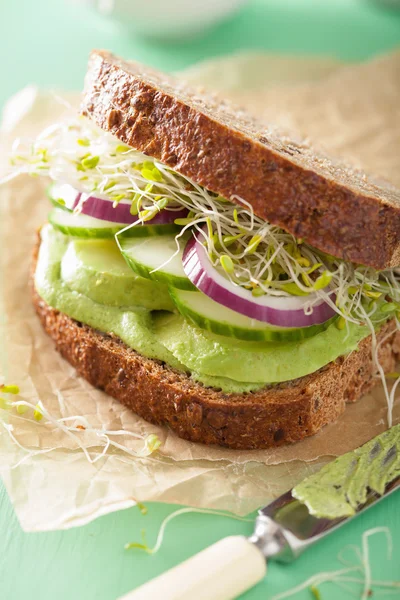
286 527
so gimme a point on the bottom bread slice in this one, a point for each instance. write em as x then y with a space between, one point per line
275 415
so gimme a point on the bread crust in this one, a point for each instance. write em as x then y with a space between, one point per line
332 207
273 416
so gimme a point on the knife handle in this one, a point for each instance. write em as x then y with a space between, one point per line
221 572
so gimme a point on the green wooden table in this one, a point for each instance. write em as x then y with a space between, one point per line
47 42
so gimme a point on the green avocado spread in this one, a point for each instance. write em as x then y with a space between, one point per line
340 487
89 281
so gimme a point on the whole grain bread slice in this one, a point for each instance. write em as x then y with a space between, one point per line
333 207
272 416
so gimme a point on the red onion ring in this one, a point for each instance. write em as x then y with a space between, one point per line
282 311
103 208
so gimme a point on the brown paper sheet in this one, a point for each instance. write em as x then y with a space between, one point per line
352 111
51 481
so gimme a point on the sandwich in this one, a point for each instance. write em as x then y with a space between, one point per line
211 273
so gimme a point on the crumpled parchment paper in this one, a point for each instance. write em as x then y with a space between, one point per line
59 475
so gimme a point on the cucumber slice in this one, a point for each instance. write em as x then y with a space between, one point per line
207 314
79 225
143 256
96 269
82 225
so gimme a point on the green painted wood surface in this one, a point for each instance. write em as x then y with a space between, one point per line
47 42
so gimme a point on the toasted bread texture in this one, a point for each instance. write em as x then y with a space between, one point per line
272 416
334 208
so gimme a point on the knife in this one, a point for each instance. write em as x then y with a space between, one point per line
283 530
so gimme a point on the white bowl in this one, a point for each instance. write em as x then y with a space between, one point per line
166 19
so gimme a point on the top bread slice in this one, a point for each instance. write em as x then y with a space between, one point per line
331 206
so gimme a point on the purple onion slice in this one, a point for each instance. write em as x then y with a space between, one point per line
103 209
282 311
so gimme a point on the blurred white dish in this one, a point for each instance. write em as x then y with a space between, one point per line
166 19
